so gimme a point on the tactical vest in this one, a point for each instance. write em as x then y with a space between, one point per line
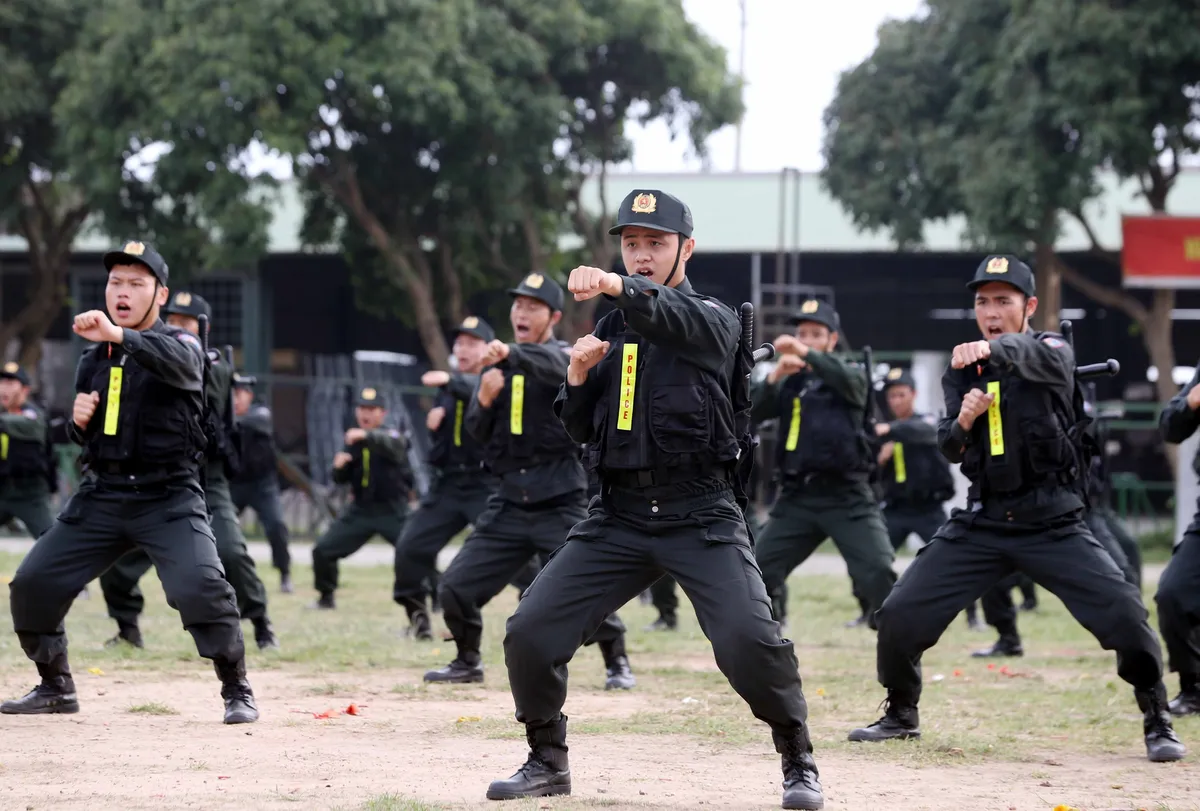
661 413
141 420
23 459
917 474
1028 439
819 432
452 447
257 454
378 479
527 432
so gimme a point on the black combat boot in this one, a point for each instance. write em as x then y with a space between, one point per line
55 695
324 603
264 635
239 698
619 676
801 786
1188 700
127 634
663 623
545 773
1006 645
899 722
285 583
459 671
857 621
419 625
1162 744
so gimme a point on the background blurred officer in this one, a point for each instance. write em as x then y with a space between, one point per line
27 472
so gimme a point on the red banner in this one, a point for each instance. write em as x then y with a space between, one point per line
1161 251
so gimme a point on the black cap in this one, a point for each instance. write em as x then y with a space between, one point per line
139 253
651 208
818 312
185 303
241 381
13 371
476 327
1007 269
542 288
370 396
899 377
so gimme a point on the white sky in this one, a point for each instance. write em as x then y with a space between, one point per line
795 50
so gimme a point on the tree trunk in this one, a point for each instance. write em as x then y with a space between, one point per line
450 278
1156 332
1049 289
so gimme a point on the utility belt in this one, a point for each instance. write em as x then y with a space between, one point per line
632 502
640 479
459 470
137 474
823 477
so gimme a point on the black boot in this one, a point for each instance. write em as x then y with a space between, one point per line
264 635
1188 700
324 603
545 773
1162 744
618 674
239 698
1006 645
857 621
460 671
801 786
127 634
285 583
419 625
900 721
663 623
55 695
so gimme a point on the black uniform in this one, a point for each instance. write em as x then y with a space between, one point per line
824 463
456 498
119 584
658 416
1178 595
381 478
256 484
143 449
542 494
1024 459
27 471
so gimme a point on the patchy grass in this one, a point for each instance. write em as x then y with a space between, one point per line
153 708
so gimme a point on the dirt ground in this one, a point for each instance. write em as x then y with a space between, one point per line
424 749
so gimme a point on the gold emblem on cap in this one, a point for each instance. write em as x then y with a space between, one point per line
11 368
810 306
183 299
368 393
997 265
894 374
644 203
134 248
470 322
534 280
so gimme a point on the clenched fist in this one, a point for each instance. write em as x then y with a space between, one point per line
496 352
790 345
490 384
1193 398
94 326
435 378
355 435
966 354
786 366
85 407
974 403
587 352
587 282
433 420
341 459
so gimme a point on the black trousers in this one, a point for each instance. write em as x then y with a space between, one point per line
262 496
966 559
96 527
1178 599
505 537
613 556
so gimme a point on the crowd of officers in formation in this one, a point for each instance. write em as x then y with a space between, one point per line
594 473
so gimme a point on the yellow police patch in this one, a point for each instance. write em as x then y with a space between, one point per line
898 463
516 417
995 425
628 387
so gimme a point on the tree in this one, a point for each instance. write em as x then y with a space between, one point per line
1006 111
440 142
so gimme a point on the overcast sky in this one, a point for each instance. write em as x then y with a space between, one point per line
795 50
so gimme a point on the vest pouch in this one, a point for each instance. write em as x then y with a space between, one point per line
1049 455
679 420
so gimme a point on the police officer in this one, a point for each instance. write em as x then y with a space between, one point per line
658 393
543 487
374 462
27 474
461 486
1014 414
1102 520
823 460
1178 594
138 414
256 484
119 584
